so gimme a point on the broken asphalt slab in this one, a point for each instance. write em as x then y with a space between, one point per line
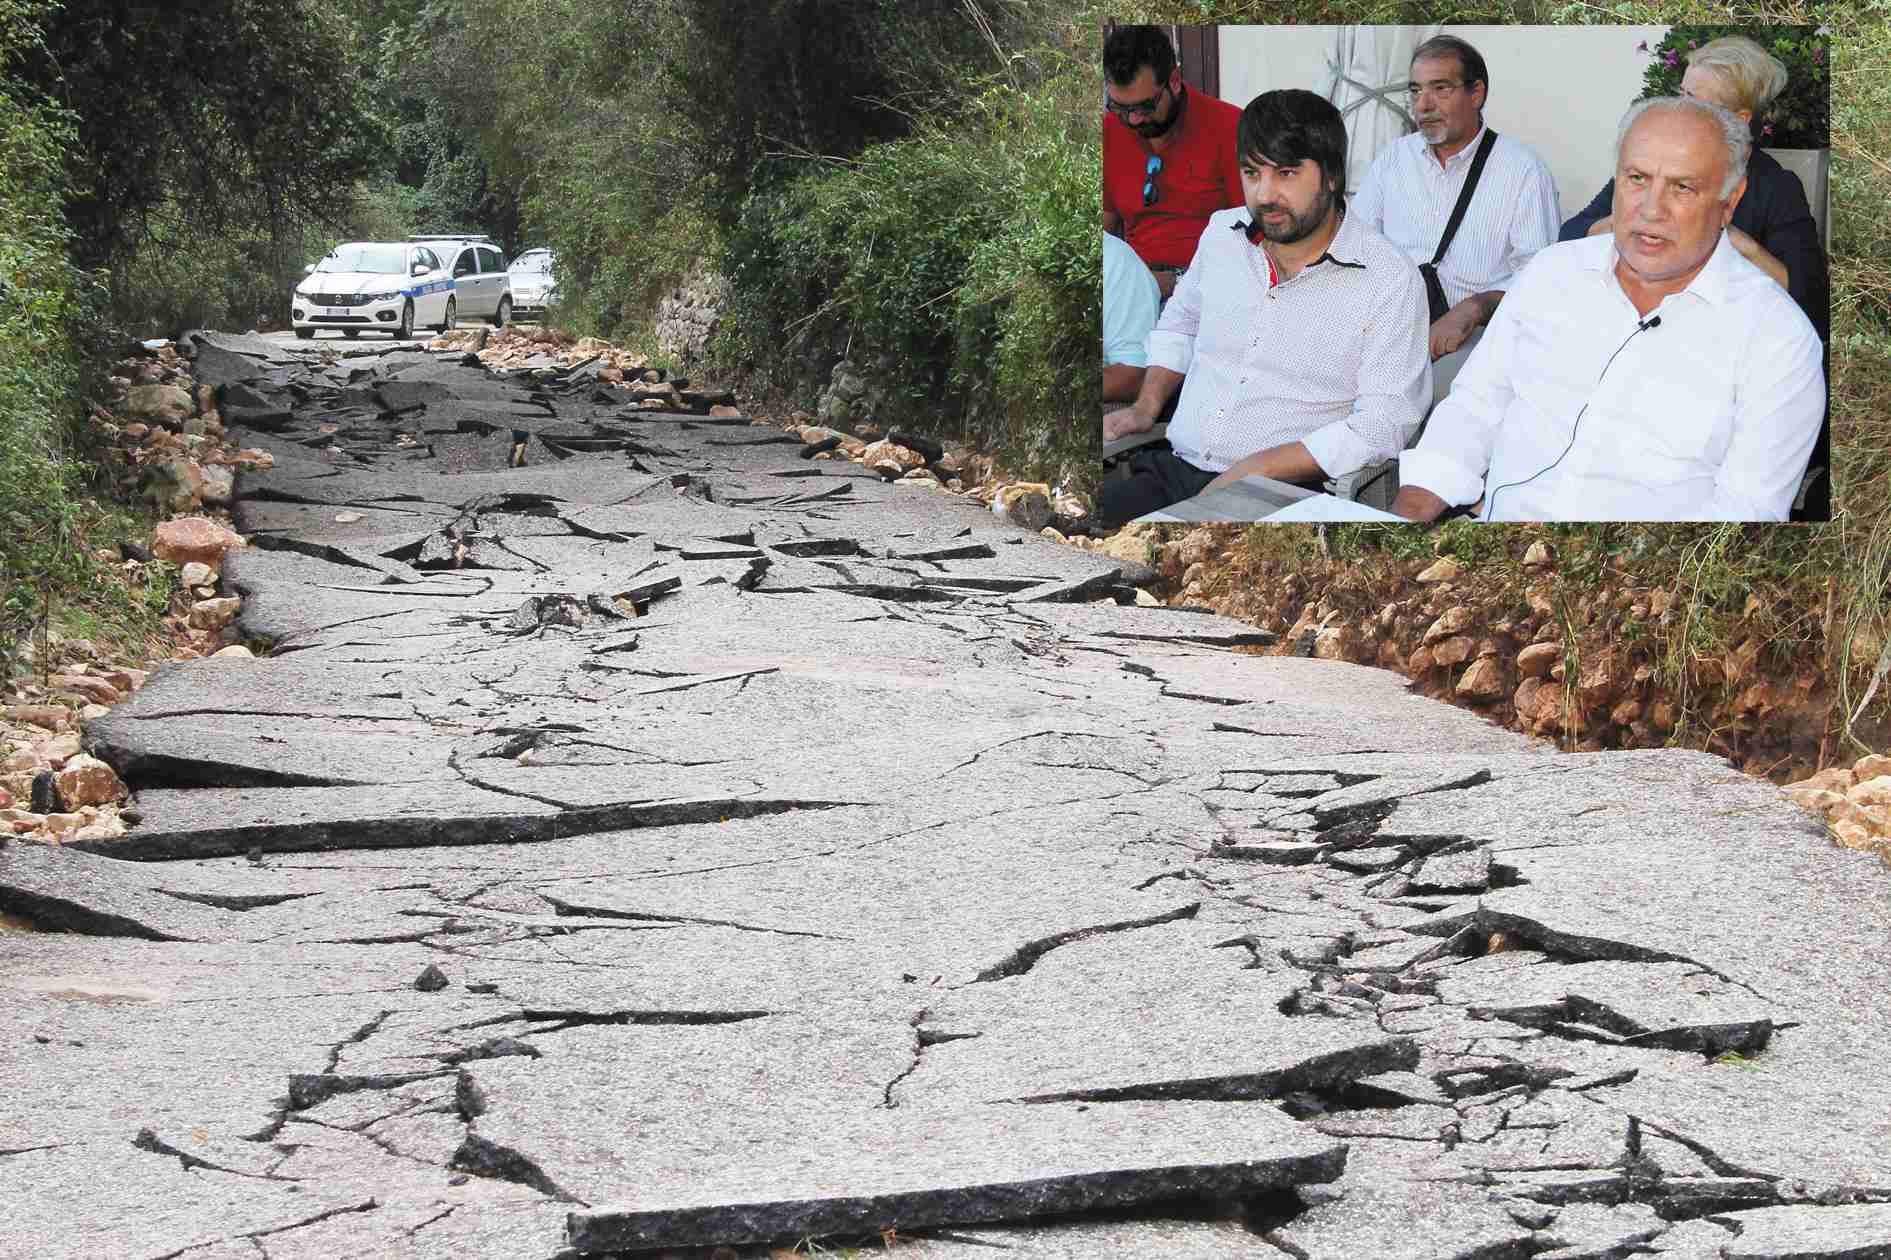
915 1171
676 842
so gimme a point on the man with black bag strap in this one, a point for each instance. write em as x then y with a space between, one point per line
1478 204
1434 288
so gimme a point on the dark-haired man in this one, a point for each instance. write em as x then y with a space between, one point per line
1413 185
1168 153
1298 338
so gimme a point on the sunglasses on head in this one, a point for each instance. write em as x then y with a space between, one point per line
1150 193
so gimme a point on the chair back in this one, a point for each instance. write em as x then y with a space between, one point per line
1814 168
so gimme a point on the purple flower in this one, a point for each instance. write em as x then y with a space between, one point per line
1642 47
1694 43
1673 58
1818 56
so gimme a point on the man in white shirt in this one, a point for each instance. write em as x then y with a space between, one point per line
1296 337
1413 184
1650 373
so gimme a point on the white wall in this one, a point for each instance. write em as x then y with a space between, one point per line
1256 59
1559 89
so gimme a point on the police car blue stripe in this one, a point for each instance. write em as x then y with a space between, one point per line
421 290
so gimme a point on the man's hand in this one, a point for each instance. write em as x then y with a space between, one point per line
1415 503
1165 280
1124 421
1453 328
1757 254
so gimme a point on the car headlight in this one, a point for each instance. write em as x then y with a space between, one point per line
380 297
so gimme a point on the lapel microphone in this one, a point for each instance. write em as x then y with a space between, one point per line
1641 326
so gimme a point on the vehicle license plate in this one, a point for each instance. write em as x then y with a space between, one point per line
337 310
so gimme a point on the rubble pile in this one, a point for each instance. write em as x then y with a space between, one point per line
49 789
1855 802
517 349
168 436
167 442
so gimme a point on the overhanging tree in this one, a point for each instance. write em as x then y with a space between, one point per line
202 116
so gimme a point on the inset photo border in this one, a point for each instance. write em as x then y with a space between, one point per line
1626 318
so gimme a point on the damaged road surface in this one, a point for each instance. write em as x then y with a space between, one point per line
674 843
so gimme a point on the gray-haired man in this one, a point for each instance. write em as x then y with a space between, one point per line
1649 374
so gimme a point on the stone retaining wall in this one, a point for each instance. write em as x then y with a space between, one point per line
687 315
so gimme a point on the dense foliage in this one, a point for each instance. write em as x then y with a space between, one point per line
198 117
45 309
962 261
1800 118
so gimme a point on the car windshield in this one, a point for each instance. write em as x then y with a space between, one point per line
385 259
535 264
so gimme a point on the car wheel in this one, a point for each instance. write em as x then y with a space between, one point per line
351 333
304 333
503 315
452 316
406 330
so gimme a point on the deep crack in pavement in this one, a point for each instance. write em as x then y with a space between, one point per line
677 840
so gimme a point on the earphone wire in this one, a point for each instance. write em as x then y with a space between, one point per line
1490 508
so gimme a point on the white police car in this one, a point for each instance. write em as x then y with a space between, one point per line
534 287
386 286
482 288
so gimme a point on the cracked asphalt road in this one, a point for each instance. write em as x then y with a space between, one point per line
804 855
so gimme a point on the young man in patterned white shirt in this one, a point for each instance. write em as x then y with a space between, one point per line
1297 337
1413 184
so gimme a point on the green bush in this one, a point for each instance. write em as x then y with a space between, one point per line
966 259
1037 285
1799 118
46 306
880 244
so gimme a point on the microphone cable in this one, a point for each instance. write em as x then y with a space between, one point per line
1641 326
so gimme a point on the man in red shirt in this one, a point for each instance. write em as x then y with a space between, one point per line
1169 154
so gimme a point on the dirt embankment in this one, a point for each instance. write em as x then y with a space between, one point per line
1581 651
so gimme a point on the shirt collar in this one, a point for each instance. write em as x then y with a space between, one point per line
1709 283
1342 251
1345 247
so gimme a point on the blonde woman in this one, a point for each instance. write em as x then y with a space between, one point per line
1772 227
